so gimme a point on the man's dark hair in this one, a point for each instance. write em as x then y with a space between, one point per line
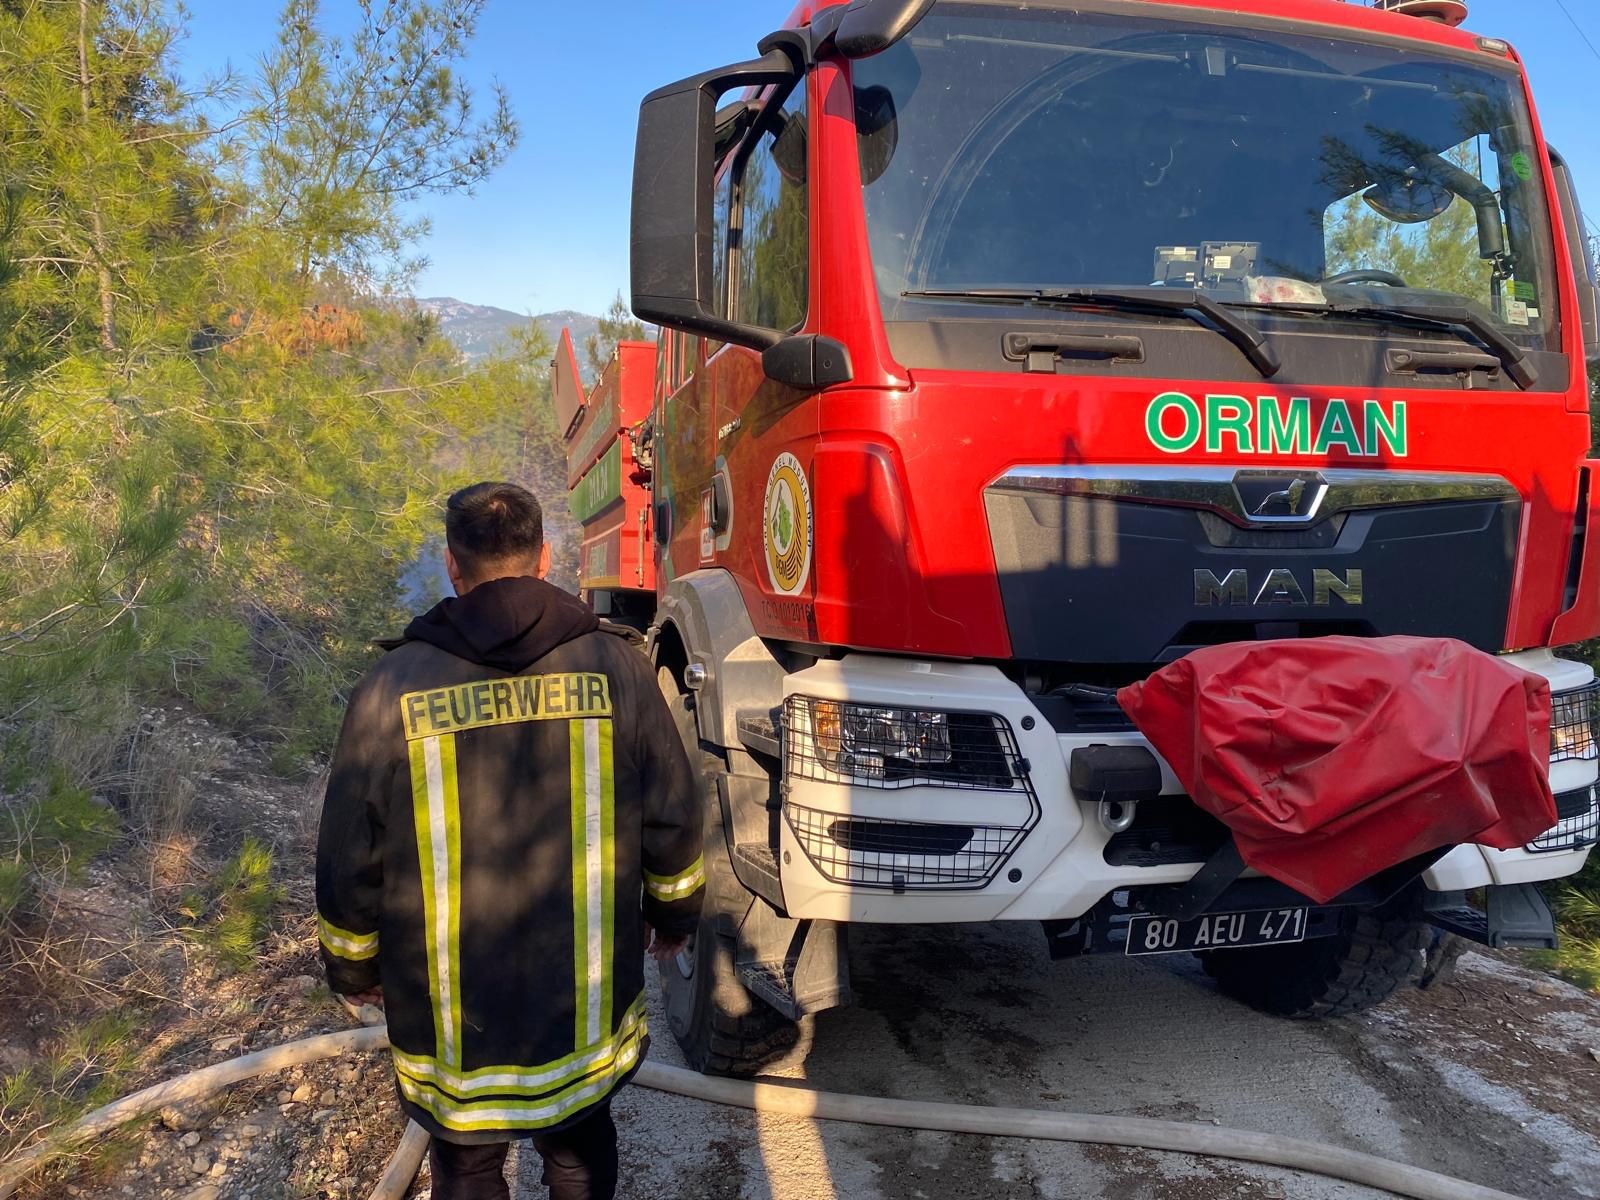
493 522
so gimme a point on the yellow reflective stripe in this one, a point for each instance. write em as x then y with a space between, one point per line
355 947
525 1081
580 891
593 877
499 1113
676 887
435 806
608 864
452 828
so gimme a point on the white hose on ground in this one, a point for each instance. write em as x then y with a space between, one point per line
798 1101
404 1164
1244 1145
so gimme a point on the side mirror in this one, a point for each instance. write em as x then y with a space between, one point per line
1582 263
674 168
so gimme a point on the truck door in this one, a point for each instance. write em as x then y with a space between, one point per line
767 284
684 422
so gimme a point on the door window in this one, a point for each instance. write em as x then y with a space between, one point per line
771 244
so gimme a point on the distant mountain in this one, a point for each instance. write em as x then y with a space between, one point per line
480 329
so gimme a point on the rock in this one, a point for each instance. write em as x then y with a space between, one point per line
328 1099
249 1130
189 1140
14 1059
302 1094
1594 1053
206 1191
303 984
226 1043
285 1096
322 1114
218 1170
200 1165
192 1114
1549 988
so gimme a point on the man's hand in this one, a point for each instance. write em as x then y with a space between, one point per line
662 947
366 1007
373 997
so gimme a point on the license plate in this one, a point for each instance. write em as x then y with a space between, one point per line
1263 927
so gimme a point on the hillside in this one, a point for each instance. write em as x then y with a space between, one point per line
479 329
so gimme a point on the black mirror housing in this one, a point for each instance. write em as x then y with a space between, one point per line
863 28
1582 263
807 362
674 166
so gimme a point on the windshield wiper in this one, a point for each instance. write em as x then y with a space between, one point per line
1184 301
1453 319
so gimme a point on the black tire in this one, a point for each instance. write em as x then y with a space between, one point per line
721 1027
1357 969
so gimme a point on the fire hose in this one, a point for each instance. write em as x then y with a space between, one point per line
793 1100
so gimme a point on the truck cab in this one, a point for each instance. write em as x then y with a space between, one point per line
1010 352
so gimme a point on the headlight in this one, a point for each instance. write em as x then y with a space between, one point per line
853 739
837 741
1573 717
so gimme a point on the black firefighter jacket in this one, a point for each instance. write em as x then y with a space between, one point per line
508 789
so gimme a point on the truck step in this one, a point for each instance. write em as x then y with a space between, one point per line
756 866
773 982
1517 919
759 730
770 982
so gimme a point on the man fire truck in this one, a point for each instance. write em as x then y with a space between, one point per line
1017 356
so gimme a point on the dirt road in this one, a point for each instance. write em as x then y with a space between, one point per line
1490 1078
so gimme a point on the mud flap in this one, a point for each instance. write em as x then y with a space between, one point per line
797 967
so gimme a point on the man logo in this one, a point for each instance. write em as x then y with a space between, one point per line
1280 496
1277 586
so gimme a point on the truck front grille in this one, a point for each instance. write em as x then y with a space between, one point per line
902 855
1166 830
1579 825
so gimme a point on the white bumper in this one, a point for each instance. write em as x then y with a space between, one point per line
1037 853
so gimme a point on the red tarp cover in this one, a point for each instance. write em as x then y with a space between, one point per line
1334 758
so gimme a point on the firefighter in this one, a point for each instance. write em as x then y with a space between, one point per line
509 819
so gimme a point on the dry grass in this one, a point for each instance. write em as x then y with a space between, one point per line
101 966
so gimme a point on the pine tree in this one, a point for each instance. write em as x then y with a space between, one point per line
245 444
344 135
617 325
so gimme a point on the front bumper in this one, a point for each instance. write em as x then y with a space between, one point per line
1036 850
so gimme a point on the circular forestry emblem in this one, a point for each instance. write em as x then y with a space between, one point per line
786 525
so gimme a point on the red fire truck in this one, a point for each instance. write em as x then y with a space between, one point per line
1012 352
606 477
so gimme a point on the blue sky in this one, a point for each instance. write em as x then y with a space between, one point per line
550 230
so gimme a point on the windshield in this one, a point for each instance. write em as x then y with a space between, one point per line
1052 149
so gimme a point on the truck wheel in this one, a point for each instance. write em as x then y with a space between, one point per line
1335 976
721 1028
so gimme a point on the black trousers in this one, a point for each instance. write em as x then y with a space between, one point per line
580 1163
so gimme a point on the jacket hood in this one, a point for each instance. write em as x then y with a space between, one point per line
505 623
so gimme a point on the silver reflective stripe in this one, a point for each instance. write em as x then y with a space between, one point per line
594 878
440 844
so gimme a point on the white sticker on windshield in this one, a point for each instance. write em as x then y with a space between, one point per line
1533 313
1517 312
